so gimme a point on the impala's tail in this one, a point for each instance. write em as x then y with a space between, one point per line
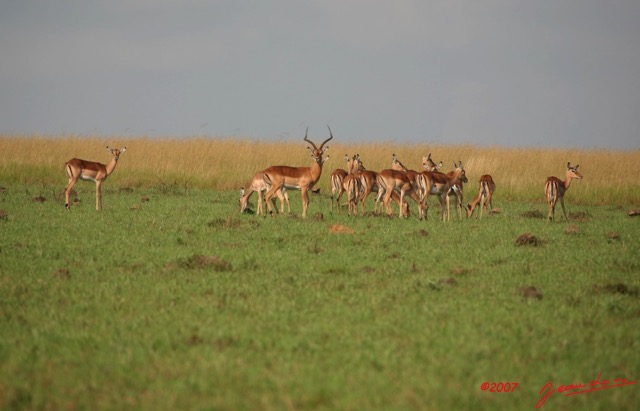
551 191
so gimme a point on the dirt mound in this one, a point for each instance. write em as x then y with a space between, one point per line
528 239
529 292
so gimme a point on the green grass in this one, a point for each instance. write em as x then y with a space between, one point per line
180 302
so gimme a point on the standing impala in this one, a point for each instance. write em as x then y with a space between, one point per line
337 181
484 197
258 185
439 184
90 171
554 190
298 178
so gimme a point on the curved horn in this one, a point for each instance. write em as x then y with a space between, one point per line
307 140
325 141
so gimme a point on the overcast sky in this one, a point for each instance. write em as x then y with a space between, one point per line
539 73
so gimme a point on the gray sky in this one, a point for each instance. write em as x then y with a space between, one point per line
539 73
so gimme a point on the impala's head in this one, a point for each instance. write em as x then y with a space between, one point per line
242 202
115 152
459 169
429 165
317 152
357 164
396 164
573 171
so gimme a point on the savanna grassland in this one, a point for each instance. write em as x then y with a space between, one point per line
169 298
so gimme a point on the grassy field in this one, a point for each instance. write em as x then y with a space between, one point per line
171 299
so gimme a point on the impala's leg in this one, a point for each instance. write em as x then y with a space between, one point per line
459 199
442 205
67 192
381 193
448 207
260 207
274 187
98 195
305 201
401 214
281 198
490 202
286 198
386 201
563 210
482 205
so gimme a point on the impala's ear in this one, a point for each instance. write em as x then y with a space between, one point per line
455 165
568 165
123 149
439 166
460 164
108 148
577 167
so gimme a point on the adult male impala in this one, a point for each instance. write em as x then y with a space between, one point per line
554 190
90 171
298 178
258 185
484 197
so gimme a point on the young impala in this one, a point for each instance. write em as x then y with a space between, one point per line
555 189
484 197
258 185
90 171
298 178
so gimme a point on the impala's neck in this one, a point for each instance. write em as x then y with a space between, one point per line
316 169
567 180
112 165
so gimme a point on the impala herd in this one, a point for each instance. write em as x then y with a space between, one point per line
392 184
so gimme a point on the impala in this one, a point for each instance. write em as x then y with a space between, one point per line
439 184
352 187
456 191
90 171
414 178
484 197
337 181
554 190
369 184
259 185
391 180
298 178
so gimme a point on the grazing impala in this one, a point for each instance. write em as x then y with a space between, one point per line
484 197
298 178
90 171
439 184
554 190
258 185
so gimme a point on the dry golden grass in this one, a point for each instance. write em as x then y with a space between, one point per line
610 177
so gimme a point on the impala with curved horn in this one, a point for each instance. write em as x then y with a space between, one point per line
297 178
90 171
